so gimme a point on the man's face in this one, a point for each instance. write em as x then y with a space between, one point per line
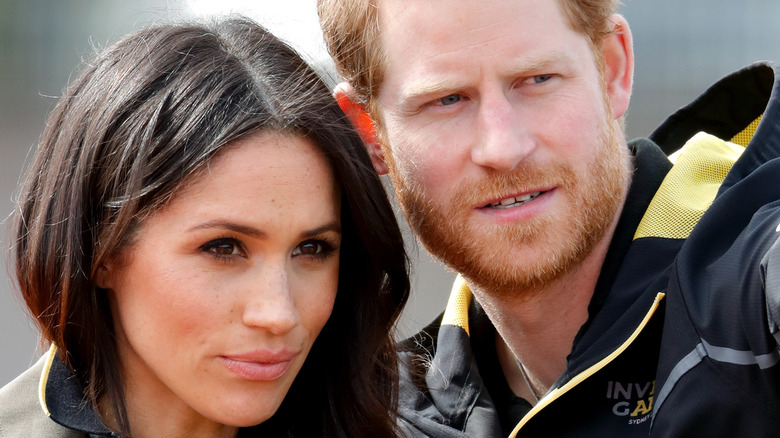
501 144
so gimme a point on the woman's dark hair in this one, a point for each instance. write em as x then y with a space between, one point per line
143 119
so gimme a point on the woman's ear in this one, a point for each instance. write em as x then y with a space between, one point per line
618 53
357 114
104 277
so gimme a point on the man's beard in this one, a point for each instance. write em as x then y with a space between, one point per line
484 255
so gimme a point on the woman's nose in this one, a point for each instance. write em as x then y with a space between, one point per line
270 304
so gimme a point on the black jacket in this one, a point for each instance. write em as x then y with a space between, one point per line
680 340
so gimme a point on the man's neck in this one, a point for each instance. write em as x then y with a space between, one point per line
537 328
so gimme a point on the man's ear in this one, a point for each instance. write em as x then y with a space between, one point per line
618 52
363 124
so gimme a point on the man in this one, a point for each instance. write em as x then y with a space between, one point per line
616 293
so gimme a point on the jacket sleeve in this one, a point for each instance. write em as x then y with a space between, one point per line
770 268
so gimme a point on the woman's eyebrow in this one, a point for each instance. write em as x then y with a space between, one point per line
229 225
334 227
256 232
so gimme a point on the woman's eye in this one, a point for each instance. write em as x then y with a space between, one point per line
310 247
313 248
223 248
450 99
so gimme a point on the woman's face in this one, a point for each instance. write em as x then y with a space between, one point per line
219 299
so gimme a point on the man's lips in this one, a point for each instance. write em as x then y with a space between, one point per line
260 365
513 201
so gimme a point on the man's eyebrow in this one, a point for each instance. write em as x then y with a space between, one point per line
540 63
419 89
424 88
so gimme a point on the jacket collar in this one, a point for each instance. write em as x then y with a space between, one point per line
750 96
741 108
62 398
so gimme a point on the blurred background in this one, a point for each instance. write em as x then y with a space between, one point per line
681 48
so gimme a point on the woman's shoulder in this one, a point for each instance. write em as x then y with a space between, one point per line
21 414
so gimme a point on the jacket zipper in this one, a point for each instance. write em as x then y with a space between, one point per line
556 393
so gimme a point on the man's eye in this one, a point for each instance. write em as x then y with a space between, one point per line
450 99
538 79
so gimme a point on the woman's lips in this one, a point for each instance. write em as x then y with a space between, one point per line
259 365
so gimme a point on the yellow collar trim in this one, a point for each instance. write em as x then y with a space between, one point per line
744 137
556 393
457 311
51 354
689 188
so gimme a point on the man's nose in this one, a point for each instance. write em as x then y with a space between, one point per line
270 304
502 140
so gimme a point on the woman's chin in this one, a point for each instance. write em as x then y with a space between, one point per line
242 415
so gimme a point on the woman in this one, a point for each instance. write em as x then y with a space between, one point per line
199 211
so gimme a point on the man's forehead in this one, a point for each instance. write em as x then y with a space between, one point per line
404 12
428 16
428 28
431 45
